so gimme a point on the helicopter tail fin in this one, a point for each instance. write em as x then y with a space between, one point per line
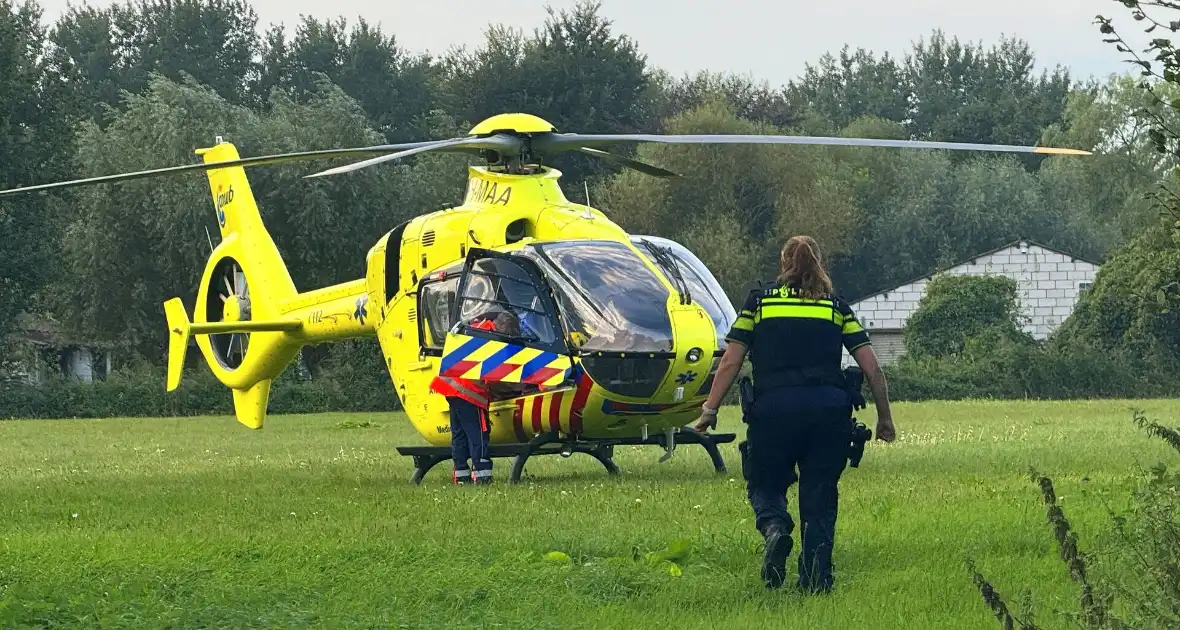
178 335
248 320
233 199
250 404
244 238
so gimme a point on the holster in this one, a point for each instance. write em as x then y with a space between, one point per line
854 378
746 398
856 448
744 451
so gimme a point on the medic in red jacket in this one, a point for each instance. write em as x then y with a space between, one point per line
468 400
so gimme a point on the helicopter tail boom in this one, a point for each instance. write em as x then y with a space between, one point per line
240 319
249 320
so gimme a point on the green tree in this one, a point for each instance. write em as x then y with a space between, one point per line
574 72
35 145
966 94
103 52
1135 301
852 86
395 88
1106 190
91 50
749 100
735 204
942 89
1134 304
897 194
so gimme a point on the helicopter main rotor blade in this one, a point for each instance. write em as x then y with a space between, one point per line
572 142
642 167
251 161
500 142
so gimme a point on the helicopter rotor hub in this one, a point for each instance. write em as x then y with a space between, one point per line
236 308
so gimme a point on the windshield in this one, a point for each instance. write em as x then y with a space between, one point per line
610 300
703 288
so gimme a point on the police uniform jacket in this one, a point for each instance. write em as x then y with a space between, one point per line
796 342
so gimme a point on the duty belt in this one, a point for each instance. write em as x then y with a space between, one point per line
799 377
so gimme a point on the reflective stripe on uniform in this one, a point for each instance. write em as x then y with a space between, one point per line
851 326
745 321
828 313
775 307
794 325
471 391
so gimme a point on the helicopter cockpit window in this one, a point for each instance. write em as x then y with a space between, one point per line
703 288
434 308
610 300
501 291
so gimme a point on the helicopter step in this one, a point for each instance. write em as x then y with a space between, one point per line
427 457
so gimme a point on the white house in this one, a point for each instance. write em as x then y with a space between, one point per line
1048 281
38 346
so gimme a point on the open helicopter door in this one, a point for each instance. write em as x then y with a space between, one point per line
507 328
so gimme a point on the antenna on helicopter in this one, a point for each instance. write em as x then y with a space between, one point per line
209 238
586 187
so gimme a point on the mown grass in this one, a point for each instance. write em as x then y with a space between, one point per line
200 523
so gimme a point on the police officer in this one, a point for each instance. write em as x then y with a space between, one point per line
801 415
468 401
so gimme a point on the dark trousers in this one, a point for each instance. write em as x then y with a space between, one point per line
781 438
469 440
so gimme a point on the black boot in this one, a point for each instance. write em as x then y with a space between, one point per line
774 561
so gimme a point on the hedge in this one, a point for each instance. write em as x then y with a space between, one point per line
1004 370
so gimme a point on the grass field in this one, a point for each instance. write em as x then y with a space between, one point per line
201 523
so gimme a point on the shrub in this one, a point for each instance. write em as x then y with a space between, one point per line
956 309
1135 301
1021 371
353 379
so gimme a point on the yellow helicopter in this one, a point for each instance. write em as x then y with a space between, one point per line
619 335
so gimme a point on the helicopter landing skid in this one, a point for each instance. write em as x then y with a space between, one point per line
427 457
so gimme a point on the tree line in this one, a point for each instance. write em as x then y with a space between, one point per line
142 84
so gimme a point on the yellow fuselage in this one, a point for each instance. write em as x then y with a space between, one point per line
497 205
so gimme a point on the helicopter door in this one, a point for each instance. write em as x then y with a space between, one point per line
506 325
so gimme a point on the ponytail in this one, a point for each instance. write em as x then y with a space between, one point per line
801 269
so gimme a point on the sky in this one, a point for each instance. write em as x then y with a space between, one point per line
768 40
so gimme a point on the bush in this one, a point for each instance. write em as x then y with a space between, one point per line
1022 371
1135 301
956 309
